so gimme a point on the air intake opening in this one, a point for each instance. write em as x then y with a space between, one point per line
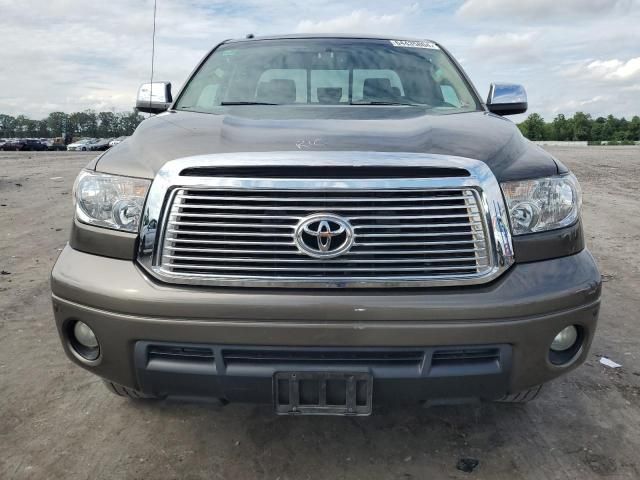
338 356
178 354
466 361
464 356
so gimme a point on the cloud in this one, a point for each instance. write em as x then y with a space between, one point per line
613 70
616 69
77 55
360 21
507 47
586 105
74 54
541 9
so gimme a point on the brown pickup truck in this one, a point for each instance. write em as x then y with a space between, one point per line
326 224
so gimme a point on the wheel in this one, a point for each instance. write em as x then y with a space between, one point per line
84 149
127 392
524 396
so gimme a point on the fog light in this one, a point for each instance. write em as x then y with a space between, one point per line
84 335
565 339
83 341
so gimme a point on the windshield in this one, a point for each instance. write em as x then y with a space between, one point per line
337 72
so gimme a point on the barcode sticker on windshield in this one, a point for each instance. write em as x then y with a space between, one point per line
414 44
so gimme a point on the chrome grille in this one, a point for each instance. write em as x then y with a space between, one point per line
414 220
223 233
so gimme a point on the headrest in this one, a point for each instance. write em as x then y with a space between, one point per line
329 94
278 90
377 89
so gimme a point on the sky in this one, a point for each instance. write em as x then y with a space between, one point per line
72 55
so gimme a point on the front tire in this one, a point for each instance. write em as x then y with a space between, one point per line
524 396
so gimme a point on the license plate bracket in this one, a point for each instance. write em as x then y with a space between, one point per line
323 393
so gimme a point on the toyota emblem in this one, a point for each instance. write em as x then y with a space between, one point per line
324 235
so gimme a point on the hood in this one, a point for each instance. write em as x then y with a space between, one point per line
478 135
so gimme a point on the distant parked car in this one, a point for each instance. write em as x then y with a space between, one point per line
24 144
82 145
101 144
11 144
116 141
33 144
56 144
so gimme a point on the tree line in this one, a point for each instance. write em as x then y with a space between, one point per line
579 127
77 124
582 127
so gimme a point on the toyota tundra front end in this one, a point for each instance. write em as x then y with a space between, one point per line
326 224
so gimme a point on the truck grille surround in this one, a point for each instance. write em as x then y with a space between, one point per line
364 230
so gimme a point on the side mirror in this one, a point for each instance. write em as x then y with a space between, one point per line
154 97
507 99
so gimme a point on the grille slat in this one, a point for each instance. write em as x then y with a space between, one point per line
356 248
240 242
422 233
328 197
314 208
453 230
226 233
317 261
296 252
291 227
320 269
354 218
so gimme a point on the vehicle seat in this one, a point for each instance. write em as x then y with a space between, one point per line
329 94
378 89
278 90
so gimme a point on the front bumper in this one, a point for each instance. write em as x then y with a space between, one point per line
518 314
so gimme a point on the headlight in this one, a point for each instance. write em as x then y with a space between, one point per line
542 204
110 201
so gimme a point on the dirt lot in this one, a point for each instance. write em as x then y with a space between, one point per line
57 421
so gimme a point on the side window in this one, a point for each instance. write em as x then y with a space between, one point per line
389 76
329 86
450 96
203 92
298 76
450 85
207 97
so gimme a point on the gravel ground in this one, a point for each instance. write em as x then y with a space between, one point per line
58 422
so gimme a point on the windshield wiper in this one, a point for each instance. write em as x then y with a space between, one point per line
247 103
386 103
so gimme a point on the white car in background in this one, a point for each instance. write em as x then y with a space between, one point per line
116 141
82 145
101 144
